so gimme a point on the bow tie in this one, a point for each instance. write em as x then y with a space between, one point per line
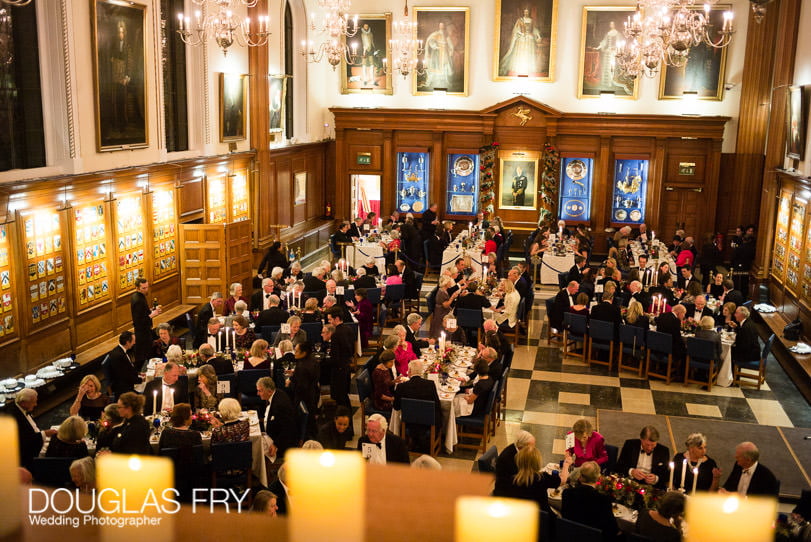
745 471
267 296
377 444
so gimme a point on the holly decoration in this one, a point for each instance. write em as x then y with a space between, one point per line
549 182
487 161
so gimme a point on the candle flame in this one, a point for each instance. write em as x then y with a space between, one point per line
134 463
498 510
731 505
327 459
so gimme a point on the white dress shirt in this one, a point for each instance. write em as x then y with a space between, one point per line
168 398
746 478
373 454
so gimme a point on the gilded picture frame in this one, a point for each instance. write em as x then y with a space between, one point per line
277 85
796 122
119 75
445 34
525 40
600 33
704 71
233 102
369 74
518 180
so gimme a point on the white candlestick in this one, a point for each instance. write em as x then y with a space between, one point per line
11 512
329 490
226 338
683 472
154 402
728 517
672 469
486 519
219 341
695 480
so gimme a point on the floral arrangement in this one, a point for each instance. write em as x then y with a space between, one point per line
689 326
201 421
487 161
549 182
628 491
190 359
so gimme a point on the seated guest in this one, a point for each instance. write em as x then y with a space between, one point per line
279 488
165 392
69 439
494 368
240 309
370 268
287 359
175 355
83 474
232 429
608 311
210 334
529 483
206 396
392 448
689 295
296 335
686 278
584 504
706 331
414 323
727 317
507 316
670 323
363 280
404 352
647 274
205 313
272 316
731 295
243 334
716 287
334 435
506 468
418 388
278 418
390 342
453 333
235 292
493 338
265 502
164 341
258 358
315 281
392 247
698 309
260 300
636 294
221 365
408 278
589 445
665 290
383 383
111 420
443 303
709 474
310 312
644 459
563 300
746 347
472 299
292 273
576 272
635 316
581 305
178 434
90 401
392 276
364 313
749 476
481 389
133 435
664 522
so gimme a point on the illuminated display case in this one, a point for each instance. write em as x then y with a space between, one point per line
8 328
781 236
463 184
130 233
217 200
412 181
240 198
629 188
42 233
92 280
575 188
164 232
796 244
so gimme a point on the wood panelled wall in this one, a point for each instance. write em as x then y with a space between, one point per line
83 326
664 140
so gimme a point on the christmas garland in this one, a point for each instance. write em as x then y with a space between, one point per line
487 161
549 182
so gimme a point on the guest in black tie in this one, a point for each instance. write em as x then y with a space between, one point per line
29 436
221 366
644 459
123 372
163 394
381 447
210 335
261 300
142 317
746 347
133 435
273 316
749 476
205 313
563 300
278 418
584 504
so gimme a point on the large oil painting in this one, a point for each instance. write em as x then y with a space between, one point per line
371 45
525 39
518 175
444 34
600 37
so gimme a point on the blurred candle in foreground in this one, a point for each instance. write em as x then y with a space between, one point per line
11 511
327 495
145 480
485 519
713 517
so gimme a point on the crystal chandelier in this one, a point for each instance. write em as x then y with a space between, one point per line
216 20
337 26
18 3
759 9
663 31
406 49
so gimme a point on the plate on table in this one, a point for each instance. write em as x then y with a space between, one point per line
446 395
404 207
620 214
447 388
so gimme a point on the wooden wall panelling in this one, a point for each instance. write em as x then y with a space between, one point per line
238 251
601 194
11 344
372 150
388 178
191 200
724 210
202 265
341 201
284 195
437 188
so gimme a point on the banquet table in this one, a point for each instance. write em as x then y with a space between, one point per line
662 253
358 253
455 251
724 378
551 265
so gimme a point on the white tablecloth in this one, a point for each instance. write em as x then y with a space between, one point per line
725 371
357 254
451 254
552 265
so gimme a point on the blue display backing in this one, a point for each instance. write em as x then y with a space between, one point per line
629 188
461 186
575 188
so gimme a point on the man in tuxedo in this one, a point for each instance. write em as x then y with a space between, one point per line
429 221
607 311
170 390
495 369
644 459
413 325
206 312
731 295
584 504
576 272
274 315
278 419
342 351
142 317
364 281
330 302
647 275
698 309
221 366
746 347
355 231
409 279
748 476
563 300
636 294
260 300
506 468
210 336
315 282
29 435
670 323
419 388
380 447
686 277
123 373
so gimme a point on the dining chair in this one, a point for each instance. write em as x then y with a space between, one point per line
759 366
575 330
246 387
632 349
476 427
232 465
313 331
189 464
421 413
659 353
470 320
701 357
364 384
487 461
601 339
394 304
269 332
52 471
571 530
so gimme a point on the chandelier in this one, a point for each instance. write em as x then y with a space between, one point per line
337 26
406 48
759 9
663 31
217 20
18 3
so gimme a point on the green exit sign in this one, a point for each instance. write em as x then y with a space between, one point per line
364 158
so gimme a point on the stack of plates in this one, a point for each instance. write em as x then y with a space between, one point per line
64 362
49 372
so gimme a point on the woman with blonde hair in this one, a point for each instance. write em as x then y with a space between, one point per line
232 429
207 387
258 358
589 445
174 354
635 316
83 474
529 483
443 303
90 401
507 315
68 441
709 475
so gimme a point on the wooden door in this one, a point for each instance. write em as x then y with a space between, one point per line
238 251
681 208
203 261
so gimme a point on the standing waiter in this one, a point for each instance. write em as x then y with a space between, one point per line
142 320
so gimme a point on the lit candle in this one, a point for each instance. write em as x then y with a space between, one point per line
146 481
695 480
329 492
154 402
480 519
728 517
672 469
226 338
219 341
11 511
683 472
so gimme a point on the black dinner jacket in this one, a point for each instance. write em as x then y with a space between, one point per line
314 284
410 282
124 374
641 297
746 347
560 306
342 346
354 231
584 504
416 343
734 296
763 481
204 313
280 424
396 449
365 281
607 312
691 310
221 366
273 316
575 274
139 308
418 388
258 300
659 462
181 388
132 437
28 440
668 323
506 467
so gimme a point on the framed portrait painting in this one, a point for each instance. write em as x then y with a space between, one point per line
368 72
278 97
233 99
705 68
525 39
599 39
518 176
301 188
119 75
445 35
796 122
